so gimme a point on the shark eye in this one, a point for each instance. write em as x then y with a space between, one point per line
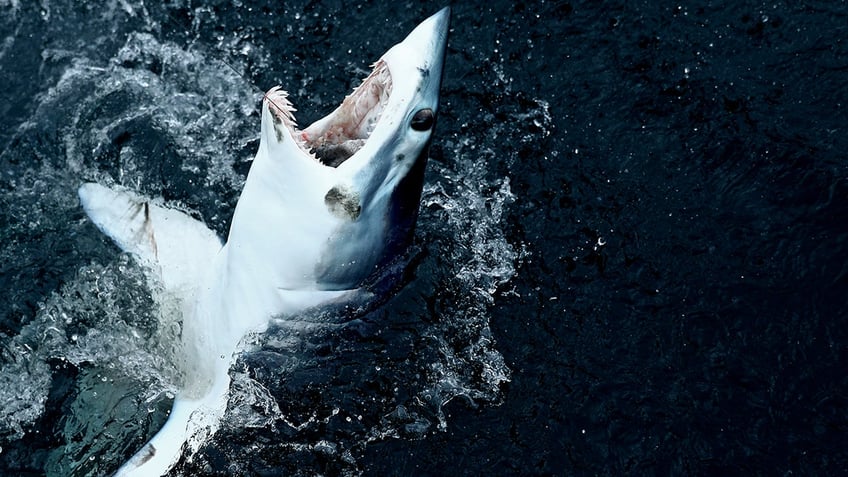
423 120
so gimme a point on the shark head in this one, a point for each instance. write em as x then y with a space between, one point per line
326 206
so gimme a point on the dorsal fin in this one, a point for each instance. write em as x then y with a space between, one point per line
169 242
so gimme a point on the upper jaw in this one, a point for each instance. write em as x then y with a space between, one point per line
423 50
405 79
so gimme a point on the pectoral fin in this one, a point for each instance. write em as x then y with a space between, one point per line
168 241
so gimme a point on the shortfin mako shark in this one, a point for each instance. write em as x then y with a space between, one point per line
322 210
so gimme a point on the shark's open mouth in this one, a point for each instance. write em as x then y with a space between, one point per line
336 137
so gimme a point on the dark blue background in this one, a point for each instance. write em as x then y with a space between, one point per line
683 308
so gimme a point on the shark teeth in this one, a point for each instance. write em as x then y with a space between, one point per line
336 137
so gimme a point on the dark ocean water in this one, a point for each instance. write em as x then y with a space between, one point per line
632 257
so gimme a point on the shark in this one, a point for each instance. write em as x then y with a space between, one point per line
323 209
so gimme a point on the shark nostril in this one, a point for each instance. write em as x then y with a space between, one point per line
423 120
